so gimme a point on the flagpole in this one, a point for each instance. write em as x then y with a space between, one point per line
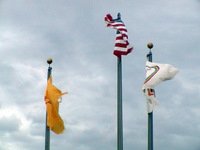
119 99
150 115
47 130
119 105
120 43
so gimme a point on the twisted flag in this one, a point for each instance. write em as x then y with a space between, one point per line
52 95
122 46
155 74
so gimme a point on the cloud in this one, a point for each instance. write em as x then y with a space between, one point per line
73 33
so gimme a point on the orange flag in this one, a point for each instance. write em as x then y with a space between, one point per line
52 95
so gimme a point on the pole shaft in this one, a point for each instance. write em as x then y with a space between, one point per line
150 117
119 105
47 130
150 131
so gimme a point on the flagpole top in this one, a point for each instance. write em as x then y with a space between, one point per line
150 45
149 55
49 61
118 16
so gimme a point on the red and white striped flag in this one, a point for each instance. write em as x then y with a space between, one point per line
122 46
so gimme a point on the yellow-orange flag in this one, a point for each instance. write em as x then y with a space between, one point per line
52 95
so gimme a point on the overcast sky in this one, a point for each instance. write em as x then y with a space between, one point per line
74 34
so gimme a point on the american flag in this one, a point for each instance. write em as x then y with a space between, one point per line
122 46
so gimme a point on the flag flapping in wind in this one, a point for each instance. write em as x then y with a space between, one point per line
122 46
52 97
151 99
155 74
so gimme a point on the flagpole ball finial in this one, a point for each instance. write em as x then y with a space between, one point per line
49 61
150 45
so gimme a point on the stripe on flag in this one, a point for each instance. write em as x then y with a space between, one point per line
122 46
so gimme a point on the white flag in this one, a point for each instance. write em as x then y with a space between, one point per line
155 74
151 99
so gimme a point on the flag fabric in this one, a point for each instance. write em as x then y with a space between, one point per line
155 74
122 46
52 96
151 99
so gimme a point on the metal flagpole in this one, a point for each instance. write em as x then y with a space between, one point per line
119 105
120 43
47 130
150 115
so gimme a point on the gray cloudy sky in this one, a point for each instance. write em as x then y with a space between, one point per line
73 33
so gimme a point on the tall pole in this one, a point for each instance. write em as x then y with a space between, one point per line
47 130
150 115
119 105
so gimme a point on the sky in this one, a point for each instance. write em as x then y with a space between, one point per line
74 35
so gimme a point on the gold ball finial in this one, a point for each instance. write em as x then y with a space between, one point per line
49 61
150 45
